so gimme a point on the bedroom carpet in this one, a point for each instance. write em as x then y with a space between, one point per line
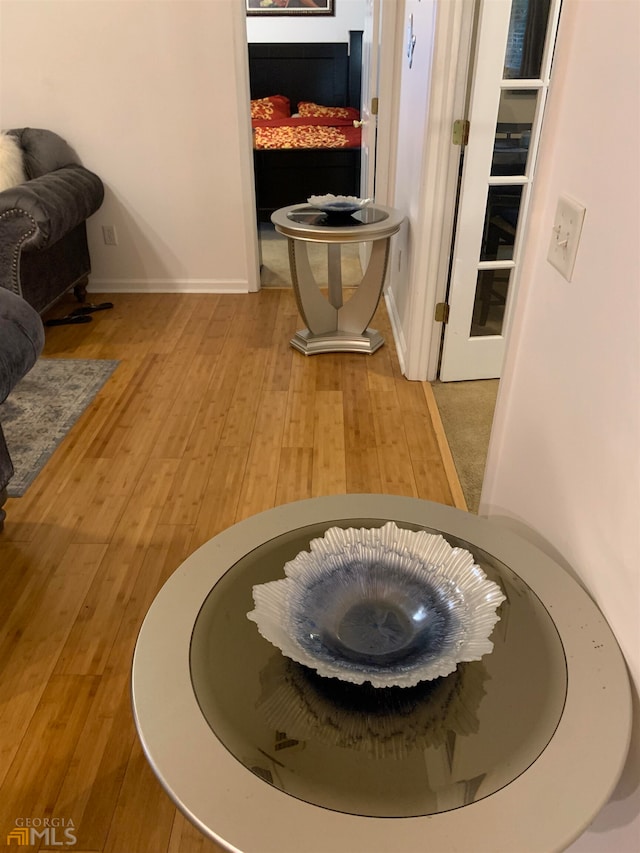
43 407
466 410
275 260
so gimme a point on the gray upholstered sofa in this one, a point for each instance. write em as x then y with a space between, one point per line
21 341
43 235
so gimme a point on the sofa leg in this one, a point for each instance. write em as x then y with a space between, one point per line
3 514
80 290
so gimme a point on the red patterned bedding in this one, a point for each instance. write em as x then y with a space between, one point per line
305 132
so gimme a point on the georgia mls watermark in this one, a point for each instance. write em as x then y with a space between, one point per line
52 831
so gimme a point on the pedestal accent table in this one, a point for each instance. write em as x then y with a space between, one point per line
515 752
332 324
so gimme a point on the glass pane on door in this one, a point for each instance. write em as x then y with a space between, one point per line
516 113
492 288
525 42
500 223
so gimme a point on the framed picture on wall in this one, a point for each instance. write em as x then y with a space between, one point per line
290 7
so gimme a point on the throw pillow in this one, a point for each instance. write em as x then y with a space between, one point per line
11 167
311 110
43 151
275 106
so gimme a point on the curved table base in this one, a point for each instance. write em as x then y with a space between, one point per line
332 324
308 344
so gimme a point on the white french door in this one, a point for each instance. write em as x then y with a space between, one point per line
509 83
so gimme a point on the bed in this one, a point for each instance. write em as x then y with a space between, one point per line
304 100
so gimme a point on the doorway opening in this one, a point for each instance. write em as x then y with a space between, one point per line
305 84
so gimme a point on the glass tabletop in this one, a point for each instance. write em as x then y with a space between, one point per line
312 216
380 752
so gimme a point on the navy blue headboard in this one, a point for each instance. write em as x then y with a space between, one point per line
326 73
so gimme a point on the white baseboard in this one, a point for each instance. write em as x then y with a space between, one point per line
396 328
166 285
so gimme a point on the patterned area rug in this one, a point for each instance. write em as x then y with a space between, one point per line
43 407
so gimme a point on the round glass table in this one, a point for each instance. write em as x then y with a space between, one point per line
478 760
334 325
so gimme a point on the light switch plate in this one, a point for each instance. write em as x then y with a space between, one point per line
565 236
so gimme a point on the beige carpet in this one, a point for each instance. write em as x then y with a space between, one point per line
466 410
274 271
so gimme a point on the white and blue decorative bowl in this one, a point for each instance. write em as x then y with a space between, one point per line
344 204
383 605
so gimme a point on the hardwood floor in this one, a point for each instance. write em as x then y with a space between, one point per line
210 417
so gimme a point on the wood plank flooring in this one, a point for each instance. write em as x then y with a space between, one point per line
210 417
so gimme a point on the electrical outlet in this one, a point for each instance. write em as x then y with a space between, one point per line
565 235
109 235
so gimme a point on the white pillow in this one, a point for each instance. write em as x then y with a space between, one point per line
11 168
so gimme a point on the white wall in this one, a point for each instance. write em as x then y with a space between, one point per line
407 195
146 93
349 15
431 96
564 459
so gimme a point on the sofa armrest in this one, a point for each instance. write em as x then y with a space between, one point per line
21 340
50 206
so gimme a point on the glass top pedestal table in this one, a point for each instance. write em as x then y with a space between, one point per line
332 324
517 751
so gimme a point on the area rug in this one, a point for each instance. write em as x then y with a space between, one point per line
43 407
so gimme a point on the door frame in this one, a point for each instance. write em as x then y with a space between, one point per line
452 52
248 194
385 12
388 96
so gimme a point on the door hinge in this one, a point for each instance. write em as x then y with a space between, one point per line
374 106
442 312
460 134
